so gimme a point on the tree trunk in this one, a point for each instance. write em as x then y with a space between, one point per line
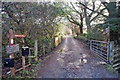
87 22
81 29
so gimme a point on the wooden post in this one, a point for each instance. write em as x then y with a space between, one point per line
90 45
11 55
56 41
23 62
111 52
60 39
43 50
29 56
108 52
36 50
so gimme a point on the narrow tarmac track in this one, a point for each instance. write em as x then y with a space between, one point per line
73 60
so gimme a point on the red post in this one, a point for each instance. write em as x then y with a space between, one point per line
11 55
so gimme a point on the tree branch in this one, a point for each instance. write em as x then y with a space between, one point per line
92 10
97 15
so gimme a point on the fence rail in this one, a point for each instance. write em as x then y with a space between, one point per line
101 48
21 62
116 60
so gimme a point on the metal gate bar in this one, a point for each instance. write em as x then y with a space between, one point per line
101 48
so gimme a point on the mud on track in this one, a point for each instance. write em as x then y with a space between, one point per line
73 60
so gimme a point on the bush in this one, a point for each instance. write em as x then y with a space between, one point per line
85 34
96 34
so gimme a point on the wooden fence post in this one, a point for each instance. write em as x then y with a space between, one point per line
60 39
43 50
111 51
108 52
56 41
36 50
23 62
29 57
90 45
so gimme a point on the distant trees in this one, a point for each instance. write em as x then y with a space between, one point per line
93 15
86 13
76 16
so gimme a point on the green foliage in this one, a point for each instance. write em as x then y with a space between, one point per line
85 34
113 20
38 21
48 44
81 38
109 67
96 34
34 62
24 71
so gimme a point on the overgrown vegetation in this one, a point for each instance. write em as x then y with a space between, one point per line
38 21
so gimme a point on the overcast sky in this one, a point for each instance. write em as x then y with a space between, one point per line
53 0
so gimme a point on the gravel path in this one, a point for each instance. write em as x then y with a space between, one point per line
72 59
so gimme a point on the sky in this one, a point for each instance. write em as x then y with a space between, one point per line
52 0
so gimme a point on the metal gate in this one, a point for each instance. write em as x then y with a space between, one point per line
100 48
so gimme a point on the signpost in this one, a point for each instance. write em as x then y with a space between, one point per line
12 48
18 35
11 55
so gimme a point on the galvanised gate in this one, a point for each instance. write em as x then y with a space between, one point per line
101 49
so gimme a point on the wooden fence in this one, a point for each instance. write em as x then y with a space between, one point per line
115 56
20 63
116 60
